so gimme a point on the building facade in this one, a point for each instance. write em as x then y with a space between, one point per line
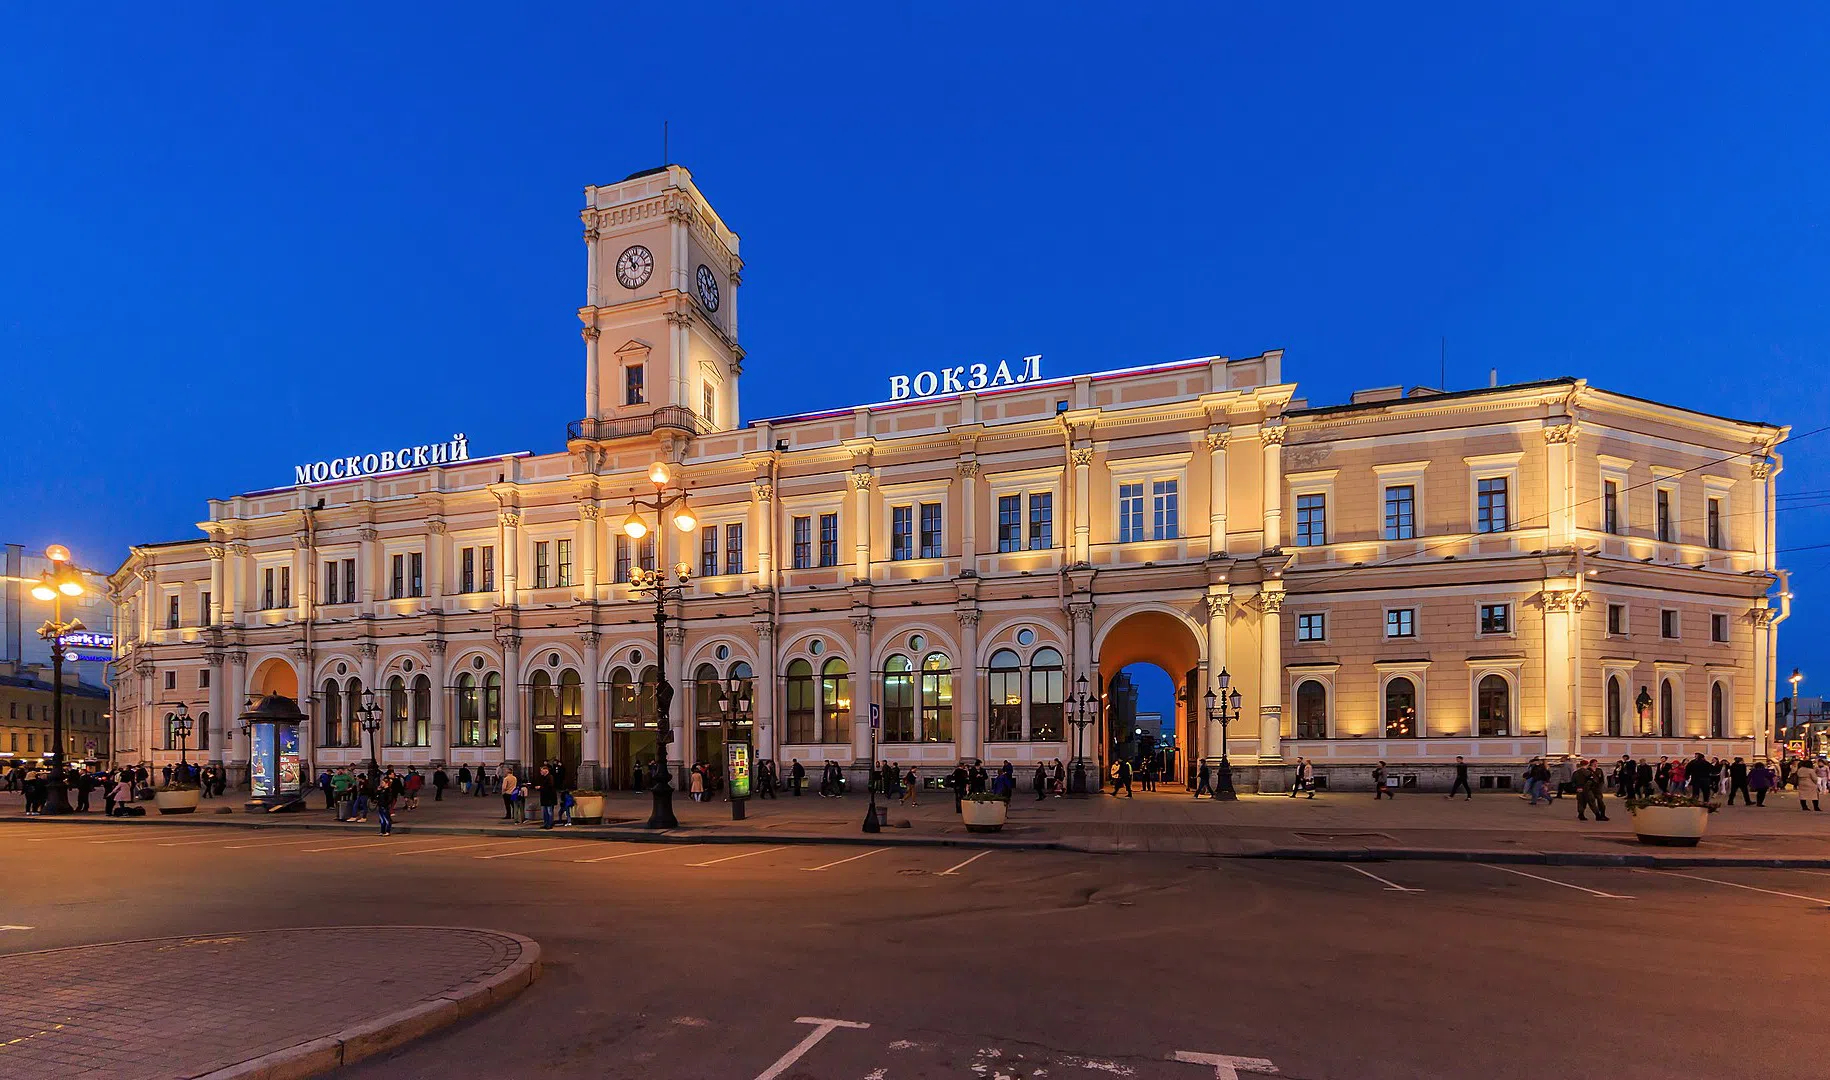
27 703
1412 576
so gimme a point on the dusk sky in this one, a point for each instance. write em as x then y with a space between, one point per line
239 237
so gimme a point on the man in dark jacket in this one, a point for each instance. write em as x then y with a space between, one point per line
1737 781
1461 780
797 775
958 783
1643 781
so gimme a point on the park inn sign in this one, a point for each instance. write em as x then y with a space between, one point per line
387 461
956 380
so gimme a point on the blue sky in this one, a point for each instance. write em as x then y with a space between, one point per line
242 236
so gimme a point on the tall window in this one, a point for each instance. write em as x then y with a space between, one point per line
1130 513
800 692
1400 512
1493 706
1614 706
898 700
902 532
1400 708
399 734
708 400
543 566
545 701
622 559
803 543
171 612
488 555
1718 712
1041 520
1010 523
733 548
1004 683
1667 710
1718 627
203 609
1490 512
708 551
397 585
1311 710
932 541
632 385
1663 504
352 719
563 550
332 579
1668 623
420 730
285 586
467 570
937 698
1617 619
1165 516
1047 690
267 588
829 539
469 731
1311 520
1714 519
1610 506
331 709
835 702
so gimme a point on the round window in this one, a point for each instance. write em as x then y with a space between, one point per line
918 643
552 659
477 662
343 669
406 665
1026 636
817 647
722 652
635 656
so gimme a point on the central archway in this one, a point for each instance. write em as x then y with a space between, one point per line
1167 642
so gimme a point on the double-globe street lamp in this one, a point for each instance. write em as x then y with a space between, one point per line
1083 711
61 580
368 714
1223 708
181 723
664 589
733 709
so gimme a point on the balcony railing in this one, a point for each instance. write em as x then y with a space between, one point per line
665 418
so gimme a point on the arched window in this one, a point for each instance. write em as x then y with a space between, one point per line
1667 710
1046 693
571 699
422 711
332 711
801 711
1400 708
1614 705
1718 712
397 711
1004 682
835 702
492 709
172 736
1311 710
1493 706
622 696
898 700
352 719
936 698
705 694
469 724
646 702
202 731
546 701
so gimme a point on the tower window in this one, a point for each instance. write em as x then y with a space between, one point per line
633 393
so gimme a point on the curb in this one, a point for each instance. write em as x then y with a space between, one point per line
1539 858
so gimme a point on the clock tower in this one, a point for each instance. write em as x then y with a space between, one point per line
660 314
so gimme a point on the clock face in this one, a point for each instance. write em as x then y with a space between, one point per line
708 287
633 267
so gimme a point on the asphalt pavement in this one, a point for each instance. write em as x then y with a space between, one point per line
774 961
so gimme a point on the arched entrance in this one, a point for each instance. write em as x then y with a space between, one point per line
273 676
1164 641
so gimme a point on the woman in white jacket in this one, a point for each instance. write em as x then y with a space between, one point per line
1806 780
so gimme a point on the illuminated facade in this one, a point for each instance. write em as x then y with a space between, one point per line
1491 573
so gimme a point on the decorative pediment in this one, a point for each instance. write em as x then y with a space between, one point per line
635 350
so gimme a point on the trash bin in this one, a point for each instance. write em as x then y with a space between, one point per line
343 808
883 815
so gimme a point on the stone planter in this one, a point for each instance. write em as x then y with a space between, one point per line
983 815
182 801
1671 826
589 809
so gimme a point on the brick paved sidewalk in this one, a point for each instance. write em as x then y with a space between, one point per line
197 1006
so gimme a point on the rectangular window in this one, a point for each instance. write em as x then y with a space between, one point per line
267 588
733 548
1167 525
1668 623
709 398
1718 628
1714 518
708 551
632 385
333 577
622 559
203 608
349 581
1041 520
1130 513
902 532
171 612
829 539
1401 622
1490 513
203 678
171 680
1312 627
1610 506
467 570
563 565
646 558
416 574
1496 618
1010 523
1400 512
1617 619
285 586
488 553
397 582
543 567
1311 520
1664 515
933 542
803 543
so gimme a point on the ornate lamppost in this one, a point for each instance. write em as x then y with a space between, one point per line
368 714
1083 710
1223 708
61 580
181 726
734 709
656 584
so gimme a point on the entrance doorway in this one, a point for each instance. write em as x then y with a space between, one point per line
558 707
1150 665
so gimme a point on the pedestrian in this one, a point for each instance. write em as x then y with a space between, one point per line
1124 778
1738 778
698 783
509 784
1461 780
549 795
1805 776
796 777
440 781
1040 781
384 808
1305 776
85 783
958 783
463 779
1587 781
1537 781
1379 789
413 783
910 787
1203 782
1760 779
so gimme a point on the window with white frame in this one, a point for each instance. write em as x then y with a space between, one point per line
1496 618
1617 620
1668 623
1312 626
1311 520
1713 523
1164 510
1491 511
708 551
1718 627
543 564
1610 506
1493 706
562 550
733 548
1130 513
633 391
802 543
829 539
1401 623
1400 512
933 539
1662 514
171 612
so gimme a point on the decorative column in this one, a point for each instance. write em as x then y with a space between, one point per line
213 617
762 506
1219 599
147 718
590 335
441 696
762 695
588 514
1559 496
1217 439
1086 743
238 696
1083 511
435 562
235 587
511 550
510 643
1273 438
148 597
969 514
301 579
864 687
966 685
681 722
1761 618
218 722
591 742
1559 700
368 568
1271 673
861 516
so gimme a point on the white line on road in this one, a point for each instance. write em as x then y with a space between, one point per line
350 847
194 843
854 858
455 847
956 869
822 1028
1390 886
1226 1066
276 843
18 928
1738 885
651 849
1554 881
728 858
133 839
523 851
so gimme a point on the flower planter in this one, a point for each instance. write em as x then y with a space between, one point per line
983 815
589 809
183 801
1671 826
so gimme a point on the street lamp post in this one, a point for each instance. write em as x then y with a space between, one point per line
656 583
733 708
1792 713
61 580
1083 710
181 725
1225 711
369 715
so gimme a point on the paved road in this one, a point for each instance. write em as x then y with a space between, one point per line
725 960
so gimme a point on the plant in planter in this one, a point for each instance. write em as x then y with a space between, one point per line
1670 820
177 798
983 811
588 807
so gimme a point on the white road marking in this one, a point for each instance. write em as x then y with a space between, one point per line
1738 885
3 928
523 851
956 869
728 858
455 847
651 849
1390 886
1226 1066
1554 881
278 843
822 1028
194 843
350 847
133 839
854 858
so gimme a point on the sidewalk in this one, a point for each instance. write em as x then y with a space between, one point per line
251 1005
1330 826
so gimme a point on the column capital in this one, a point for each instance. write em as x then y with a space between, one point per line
366 650
438 645
239 657
508 640
1760 616
764 492
765 629
589 511
1081 456
863 623
968 618
1081 611
1559 433
590 333
214 657
509 518
435 526
367 534
590 639
144 669
968 467
1217 604
861 479
1217 438
238 548
1272 602
1761 466
215 552
1272 434
676 634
